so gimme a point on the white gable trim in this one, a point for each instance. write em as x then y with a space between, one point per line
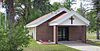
47 18
82 18
58 21
76 22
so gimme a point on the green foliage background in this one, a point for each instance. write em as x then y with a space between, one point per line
15 41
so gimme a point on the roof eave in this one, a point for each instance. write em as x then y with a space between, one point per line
29 26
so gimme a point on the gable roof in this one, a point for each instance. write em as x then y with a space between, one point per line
58 20
62 18
46 17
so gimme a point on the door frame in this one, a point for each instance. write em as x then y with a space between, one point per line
65 31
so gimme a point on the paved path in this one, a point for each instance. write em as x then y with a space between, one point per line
80 46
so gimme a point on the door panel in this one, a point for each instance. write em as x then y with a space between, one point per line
63 33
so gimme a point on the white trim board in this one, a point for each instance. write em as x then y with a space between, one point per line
66 16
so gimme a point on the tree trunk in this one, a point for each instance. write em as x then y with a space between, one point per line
1 0
96 4
69 4
27 10
10 12
11 21
0 13
97 25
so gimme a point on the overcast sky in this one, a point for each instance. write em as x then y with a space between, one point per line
52 1
85 3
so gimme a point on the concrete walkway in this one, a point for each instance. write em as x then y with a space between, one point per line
80 46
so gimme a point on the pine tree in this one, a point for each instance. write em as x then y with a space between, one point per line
97 8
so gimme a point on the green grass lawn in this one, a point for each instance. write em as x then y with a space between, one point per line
91 39
33 46
91 35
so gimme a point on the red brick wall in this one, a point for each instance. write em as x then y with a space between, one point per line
44 31
77 33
